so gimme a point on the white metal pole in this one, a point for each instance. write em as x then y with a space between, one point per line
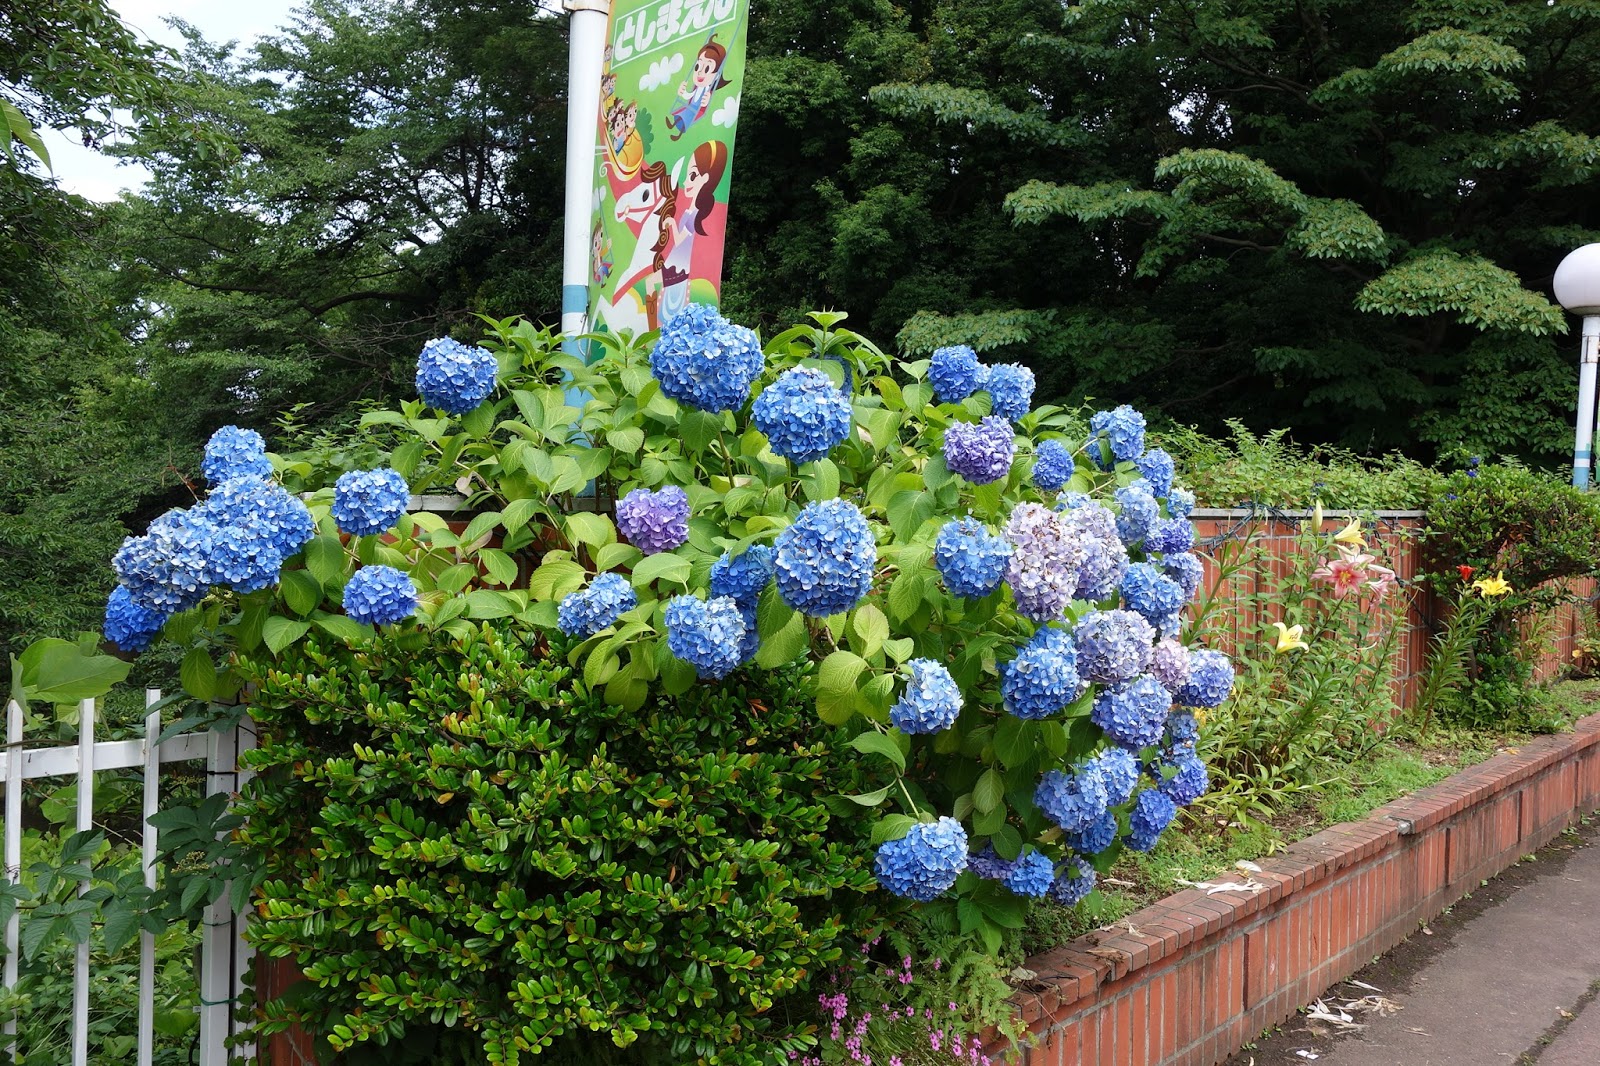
244 739
1583 444
216 940
13 820
147 856
80 966
586 57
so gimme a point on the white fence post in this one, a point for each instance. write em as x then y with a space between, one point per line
13 819
216 933
147 861
80 963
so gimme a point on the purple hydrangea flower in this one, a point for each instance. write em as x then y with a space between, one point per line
129 626
1105 557
654 521
988 865
587 611
1043 678
1153 596
380 596
1137 512
1031 875
803 415
955 373
1073 801
704 360
369 501
1046 555
1113 646
1010 388
971 559
923 864
931 701
1187 570
233 452
1100 835
1169 536
1052 465
1124 432
1152 813
453 377
981 452
1073 883
825 559
1121 772
1133 714
1210 679
706 634
742 577
1169 664
1158 468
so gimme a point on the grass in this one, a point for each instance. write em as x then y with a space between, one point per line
1199 852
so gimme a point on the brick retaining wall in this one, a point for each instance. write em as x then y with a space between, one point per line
1190 980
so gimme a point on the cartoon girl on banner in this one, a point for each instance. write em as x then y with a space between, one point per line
699 191
696 92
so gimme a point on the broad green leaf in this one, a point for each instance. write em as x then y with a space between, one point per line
326 560
481 526
785 644
501 568
586 527
279 632
872 627
198 674
52 670
836 687
555 578
341 626
892 827
663 566
875 743
987 793
871 799
301 592
487 603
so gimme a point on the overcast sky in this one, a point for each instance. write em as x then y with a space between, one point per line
87 172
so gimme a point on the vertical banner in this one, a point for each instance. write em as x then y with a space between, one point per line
669 101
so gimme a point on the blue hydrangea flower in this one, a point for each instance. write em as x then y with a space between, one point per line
1010 388
1158 468
955 373
265 508
1121 771
1169 536
752 636
1031 875
1187 570
1073 801
742 577
1189 783
931 701
453 377
1137 512
1210 679
971 559
1071 501
233 452
380 595
923 864
1043 678
1113 646
1180 502
1124 432
129 626
1183 729
988 865
1105 557
1169 664
981 452
1100 835
1073 883
1043 568
803 415
704 360
169 569
1151 815
369 501
589 610
1133 714
654 521
1052 465
244 557
825 559
706 634
1153 595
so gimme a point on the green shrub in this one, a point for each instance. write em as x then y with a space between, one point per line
471 859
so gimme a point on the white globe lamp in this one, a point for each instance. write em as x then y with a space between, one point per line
1577 286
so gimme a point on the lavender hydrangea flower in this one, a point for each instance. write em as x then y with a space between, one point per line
1073 801
704 360
931 701
1189 783
1133 714
924 864
1151 815
1158 469
233 452
1210 679
1105 557
1121 772
988 865
1154 596
369 501
1169 536
587 611
742 577
1031 875
1183 729
1043 678
453 377
169 569
380 596
971 559
1010 388
803 415
1124 431
1100 835
1180 502
706 634
1187 570
955 373
1073 883
981 452
825 559
1113 646
1052 465
129 626
1138 511
1046 555
1169 664
654 521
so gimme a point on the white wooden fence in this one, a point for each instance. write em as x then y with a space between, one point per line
224 956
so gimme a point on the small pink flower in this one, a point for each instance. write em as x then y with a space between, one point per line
1346 575
1383 581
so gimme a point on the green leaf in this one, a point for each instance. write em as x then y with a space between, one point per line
875 743
326 560
52 670
615 556
119 924
663 566
555 578
627 440
586 527
301 592
1014 740
480 526
906 595
697 428
198 674
836 687
892 827
785 644
872 627
900 650
988 792
279 632
820 480
519 513
487 603
501 568
341 626
871 799
677 676
989 823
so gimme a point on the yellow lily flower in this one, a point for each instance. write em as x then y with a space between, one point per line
1492 586
1289 638
1351 535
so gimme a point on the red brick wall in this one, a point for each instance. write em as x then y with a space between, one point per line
1190 980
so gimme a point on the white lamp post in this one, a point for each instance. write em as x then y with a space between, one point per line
1577 285
586 58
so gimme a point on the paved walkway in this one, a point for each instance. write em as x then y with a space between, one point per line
1509 977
